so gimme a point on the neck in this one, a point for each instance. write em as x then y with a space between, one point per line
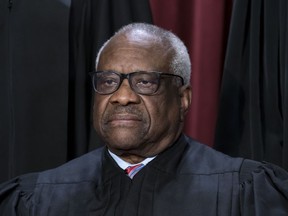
150 150
132 159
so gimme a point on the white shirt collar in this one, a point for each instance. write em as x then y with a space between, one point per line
123 164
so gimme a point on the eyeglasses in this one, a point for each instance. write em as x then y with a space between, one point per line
141 82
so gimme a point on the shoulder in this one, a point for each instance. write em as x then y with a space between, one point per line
259 182
83 168
74 179
253 172
202 159
17 193
263 189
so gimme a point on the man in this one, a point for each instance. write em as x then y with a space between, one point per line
142 94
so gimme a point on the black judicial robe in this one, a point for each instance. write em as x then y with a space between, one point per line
187 179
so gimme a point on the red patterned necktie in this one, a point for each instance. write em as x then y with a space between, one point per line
132 170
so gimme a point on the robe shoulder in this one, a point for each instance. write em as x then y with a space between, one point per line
263 189
84 168
202 159
17 196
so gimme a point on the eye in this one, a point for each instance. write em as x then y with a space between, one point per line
145 82
108 81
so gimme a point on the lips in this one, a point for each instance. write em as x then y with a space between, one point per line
123 117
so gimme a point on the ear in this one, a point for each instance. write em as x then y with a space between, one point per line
185 93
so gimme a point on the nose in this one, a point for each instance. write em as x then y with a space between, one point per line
125 95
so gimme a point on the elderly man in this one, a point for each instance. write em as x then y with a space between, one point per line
148 166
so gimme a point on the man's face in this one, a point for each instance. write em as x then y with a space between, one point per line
130 123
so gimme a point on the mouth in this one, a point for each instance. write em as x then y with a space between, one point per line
123 120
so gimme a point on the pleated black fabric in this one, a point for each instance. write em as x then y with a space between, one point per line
253 113
47 48
33 85
187 179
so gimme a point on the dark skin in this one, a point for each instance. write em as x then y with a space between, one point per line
136 126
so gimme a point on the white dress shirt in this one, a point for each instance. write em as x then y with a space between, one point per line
123 164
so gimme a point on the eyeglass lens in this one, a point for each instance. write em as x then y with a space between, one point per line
107 82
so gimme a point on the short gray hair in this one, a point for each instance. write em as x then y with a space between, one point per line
180 64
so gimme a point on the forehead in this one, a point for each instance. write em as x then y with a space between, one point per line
135 51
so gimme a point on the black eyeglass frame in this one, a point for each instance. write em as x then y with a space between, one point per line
127 76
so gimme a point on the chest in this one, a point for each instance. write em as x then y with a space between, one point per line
150 194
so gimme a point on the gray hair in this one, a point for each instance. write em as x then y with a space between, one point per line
180 64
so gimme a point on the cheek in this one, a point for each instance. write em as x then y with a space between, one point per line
163 111
100 104
170 111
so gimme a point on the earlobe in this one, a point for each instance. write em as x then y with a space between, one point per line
185 93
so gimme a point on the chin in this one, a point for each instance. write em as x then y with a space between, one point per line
124 143
124 136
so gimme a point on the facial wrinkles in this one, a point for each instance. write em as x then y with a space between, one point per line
140 134
114 110
156 114
140 112
131 111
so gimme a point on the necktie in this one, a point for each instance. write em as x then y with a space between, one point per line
132 170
